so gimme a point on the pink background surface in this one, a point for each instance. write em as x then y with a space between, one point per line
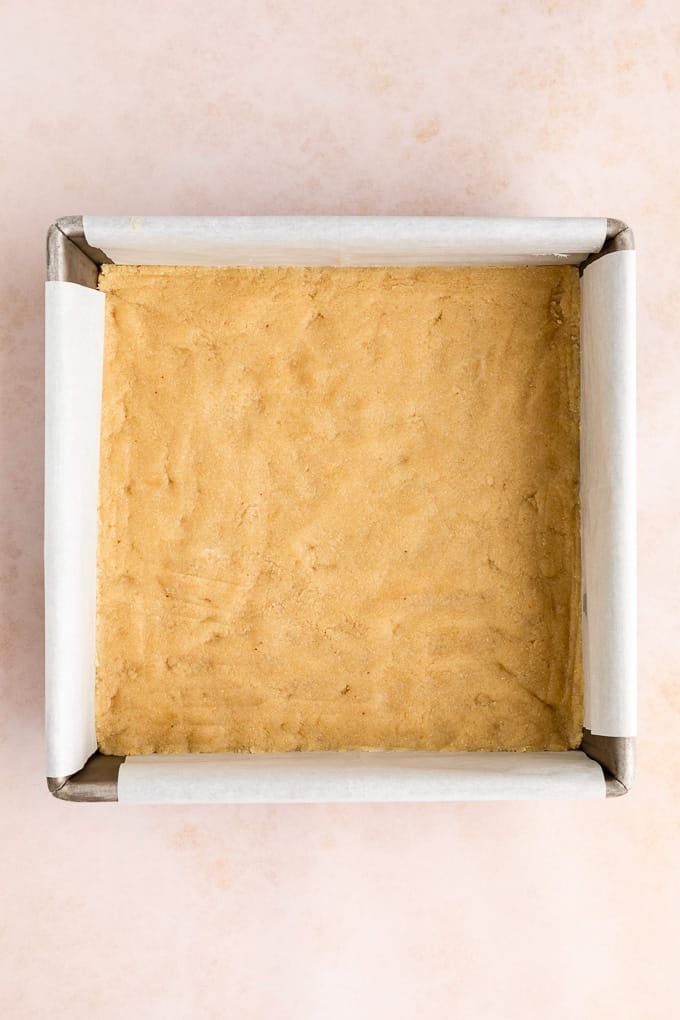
477 910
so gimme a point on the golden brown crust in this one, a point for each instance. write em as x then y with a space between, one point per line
338 509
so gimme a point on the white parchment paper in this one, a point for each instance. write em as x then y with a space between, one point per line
608 494
74 338
343 240
74 344
358 776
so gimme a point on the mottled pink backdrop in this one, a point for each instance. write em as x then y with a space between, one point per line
473 911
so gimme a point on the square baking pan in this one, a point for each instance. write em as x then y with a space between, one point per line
603 249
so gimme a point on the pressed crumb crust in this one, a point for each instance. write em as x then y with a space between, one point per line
339 510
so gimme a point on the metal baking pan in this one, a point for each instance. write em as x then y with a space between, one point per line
78 246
